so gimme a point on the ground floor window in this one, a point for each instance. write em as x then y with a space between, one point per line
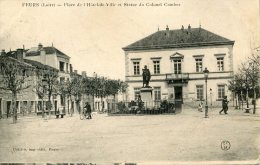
221 91
199 89
157 93
136 93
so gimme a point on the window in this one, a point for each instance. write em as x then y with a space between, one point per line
157 93
136 93
136 67
198 65
62 66
221 91
177 66
62 80
199 89
220 63
156 66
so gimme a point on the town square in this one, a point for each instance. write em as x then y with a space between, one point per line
129 82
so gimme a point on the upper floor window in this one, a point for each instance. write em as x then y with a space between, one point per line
136 67
198 64
221 91
62 66
220 63
177 66
199 91
156 67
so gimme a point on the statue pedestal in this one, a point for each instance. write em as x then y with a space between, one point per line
146 96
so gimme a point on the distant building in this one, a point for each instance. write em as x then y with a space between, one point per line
55 58
27 100
176 59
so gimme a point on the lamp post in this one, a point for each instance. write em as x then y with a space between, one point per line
206 73
210 92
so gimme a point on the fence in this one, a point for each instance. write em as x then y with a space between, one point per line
135 107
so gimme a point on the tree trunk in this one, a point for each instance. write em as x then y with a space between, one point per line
102 109
71 106
49 104
42 108
14 98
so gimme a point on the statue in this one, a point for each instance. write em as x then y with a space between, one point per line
146 77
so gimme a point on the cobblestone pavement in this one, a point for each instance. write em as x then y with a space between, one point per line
186 136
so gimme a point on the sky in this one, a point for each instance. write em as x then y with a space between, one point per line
94 36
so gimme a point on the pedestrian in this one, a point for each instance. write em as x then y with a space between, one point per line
88 107
224 105
85 109
200 106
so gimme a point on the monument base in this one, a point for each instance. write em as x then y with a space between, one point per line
146 96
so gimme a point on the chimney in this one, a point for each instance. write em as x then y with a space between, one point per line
182 28
40 46
19 55
167 28
3 52
76 71
189 28
84 74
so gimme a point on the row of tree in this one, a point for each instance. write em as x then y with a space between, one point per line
44 81
245 83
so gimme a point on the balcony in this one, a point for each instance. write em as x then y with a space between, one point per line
177 78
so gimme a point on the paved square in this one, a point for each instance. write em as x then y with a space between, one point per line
186 136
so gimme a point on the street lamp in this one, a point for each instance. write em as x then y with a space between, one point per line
210 92
206 74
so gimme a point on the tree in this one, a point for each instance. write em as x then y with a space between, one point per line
76 89
15 77
41 86
51 83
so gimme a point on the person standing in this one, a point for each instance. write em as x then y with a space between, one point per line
88 111
224 105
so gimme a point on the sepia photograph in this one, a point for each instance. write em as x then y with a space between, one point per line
129 82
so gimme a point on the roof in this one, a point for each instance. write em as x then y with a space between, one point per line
8 58
12 55
35 51
39 65
179 38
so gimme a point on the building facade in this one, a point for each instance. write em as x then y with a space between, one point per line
176 60
53 57
26 101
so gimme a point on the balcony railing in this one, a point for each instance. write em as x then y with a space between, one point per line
180 76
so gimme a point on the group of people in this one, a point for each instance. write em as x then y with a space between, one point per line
224 106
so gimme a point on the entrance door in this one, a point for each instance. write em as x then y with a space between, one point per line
178 93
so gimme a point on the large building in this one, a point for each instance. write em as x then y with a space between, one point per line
55 58
176 59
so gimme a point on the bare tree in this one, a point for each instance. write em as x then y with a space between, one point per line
15 78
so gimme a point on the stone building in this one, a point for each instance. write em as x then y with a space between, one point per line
176 59
55 58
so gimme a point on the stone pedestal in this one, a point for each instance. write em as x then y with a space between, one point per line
146 96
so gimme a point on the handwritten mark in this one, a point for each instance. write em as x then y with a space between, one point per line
225 145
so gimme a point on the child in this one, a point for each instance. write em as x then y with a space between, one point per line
200 107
